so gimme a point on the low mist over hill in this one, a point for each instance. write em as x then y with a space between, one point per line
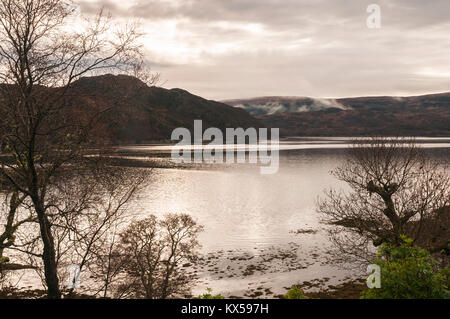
277 105
137 113
427 115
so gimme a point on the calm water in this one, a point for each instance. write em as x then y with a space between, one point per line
257 215
250 246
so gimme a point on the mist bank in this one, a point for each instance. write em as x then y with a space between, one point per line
426 115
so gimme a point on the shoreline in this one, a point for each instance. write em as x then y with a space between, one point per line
347 290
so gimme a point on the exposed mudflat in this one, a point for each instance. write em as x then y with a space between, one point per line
268 272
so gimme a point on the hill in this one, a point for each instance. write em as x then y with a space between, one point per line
140 113
427 115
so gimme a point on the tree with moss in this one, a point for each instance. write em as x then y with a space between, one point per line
209 295
408 272
393 188
295 293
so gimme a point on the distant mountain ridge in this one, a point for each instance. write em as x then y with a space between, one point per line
138 113
426 115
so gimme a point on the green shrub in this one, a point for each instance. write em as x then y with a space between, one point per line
408 272
295 293
208 295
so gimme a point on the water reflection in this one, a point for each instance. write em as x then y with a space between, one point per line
243 210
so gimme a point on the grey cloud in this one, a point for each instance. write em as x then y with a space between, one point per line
343 57
279 14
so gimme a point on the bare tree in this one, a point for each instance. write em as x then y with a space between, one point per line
94 229
87 206
394 189
154 251
107 264
7 237
42 134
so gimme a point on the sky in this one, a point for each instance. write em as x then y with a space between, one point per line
229 49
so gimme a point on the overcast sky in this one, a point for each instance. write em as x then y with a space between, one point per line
224 49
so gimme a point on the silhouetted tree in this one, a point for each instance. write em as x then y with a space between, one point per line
394 190
45 138
155 251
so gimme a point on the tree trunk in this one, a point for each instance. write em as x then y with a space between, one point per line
48 256
391 213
